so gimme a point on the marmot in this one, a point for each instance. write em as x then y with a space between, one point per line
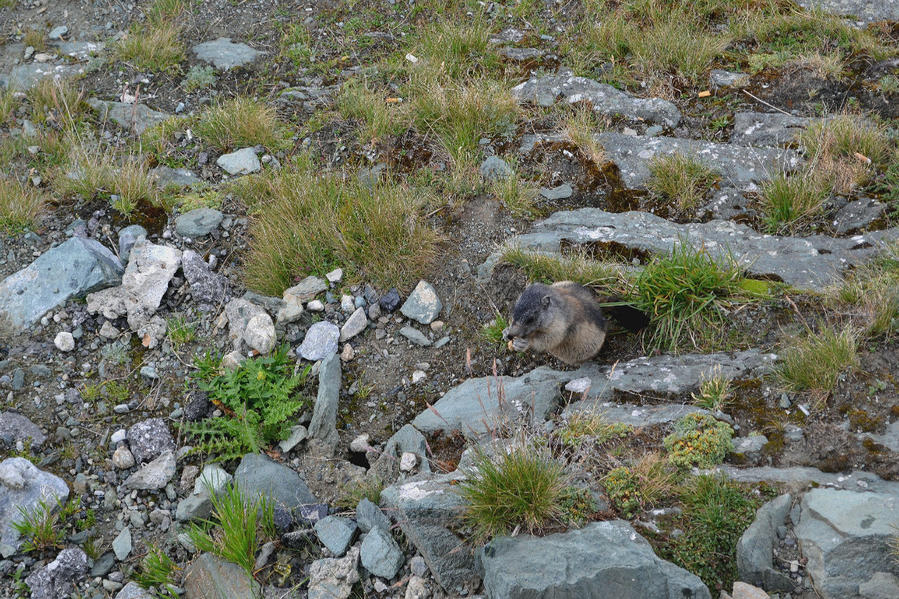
565 320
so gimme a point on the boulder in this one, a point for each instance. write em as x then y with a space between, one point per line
323 425
16 428
258 474
333 578
59 577
23 485
380 554
755 549
225 54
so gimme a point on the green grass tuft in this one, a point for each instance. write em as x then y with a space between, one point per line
493 330
39 527
155 47
640 487
157 571
680 179
815 361
573 267
714 391
791 201
242 122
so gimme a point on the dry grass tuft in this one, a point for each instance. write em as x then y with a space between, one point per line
19 205
845 150
240 123
681 179
581 127
55 100
815 361
155 47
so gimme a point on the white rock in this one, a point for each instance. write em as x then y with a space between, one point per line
232 360
348 353
335 275
64 341
360 443
408 461
241 162
581 385
354 325
315 306
417 376
108 331
260 333
122 458
289 313
346 303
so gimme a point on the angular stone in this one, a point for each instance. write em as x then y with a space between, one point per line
64 341
289 313
134 117
155 475
149 439
422 305
208 577
239 312
305 290
258 474
132 590
495 168
206 286
721 78
767 128
323 425
336 533
751 445
605 99
354 325
415 336
808 263
586 562
370 516
320 341
23 485
858 215
122 458
15 428
333 578
406 440
390 301
240 162
298 433
174 177
380 554
58 578
561 192
199 222
225 54
25 76
193 507
755 549
72 269
58 32
121 545
128 236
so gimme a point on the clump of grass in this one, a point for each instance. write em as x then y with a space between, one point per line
457 50
35 38
56 100
714 391
874 289
698 440
166 10
640 487
681 179
369 488
160 136
259 398
8 105
39 527
377 118
684 293
577 267
815 361
581 127
521 486
19 205
198 77
296 45
715 514
888 84
791 201
157 572
242 122
516 194
155 47
845 150
238 528
131 186
493 330
180 330
588 425
312 223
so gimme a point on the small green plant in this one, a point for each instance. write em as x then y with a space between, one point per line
845 150
817 359
238 528
698 440
8 105
685 292
57 100
157 571
20 206
873 290
680 179
166 10
198 77
36 38
493 330
259 397
516 194
521 486
889 84
632 489
180 331
790 201
39 527
588 425
242 122
116 391
377 118
714 391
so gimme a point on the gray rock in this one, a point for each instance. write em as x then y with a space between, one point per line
370 516
194 507
868 11
415 336
333 578
354 325
767 128
323 425
155 475
260 333
720 78
380 554
298 433
798 476
633 414
889 438
390 301
521 54
122 458
240 162
257 474
225 54
407 439
561 192
79 50
58 32
305 290
422 305
198 223
174 177
750 446
25 76
212 479
103 565
605 99
64 342
808 263
132 590
206 286
858 215
149 439
494 168
58 578
121 545
336 533
134 117
208 577
588 562
428 512
727 203
755 549
845 536
127 238
15 428
23 485
72 269
741 167
882 585
418 566
320 341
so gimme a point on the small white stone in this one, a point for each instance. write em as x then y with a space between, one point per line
346 303
289 313
417 376
108 331
260 333
64 341
232 360
360 443
437 325
315 306
122 458
408 461
348 353
335 275
119 436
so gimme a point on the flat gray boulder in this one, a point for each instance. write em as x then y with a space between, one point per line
423 304
807 263
846 535
767 128
174 177
23 485
259 475
134 117
199 222
72 269
225 54
603 559
24 77
605 99
868 11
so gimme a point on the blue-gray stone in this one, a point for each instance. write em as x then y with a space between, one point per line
390 301
423 304
23 485
380 554
320 341
25 76
14 428
198 223
121 545
561 192
58 32
495 168
336 533
72 269
127 238
58 578
174 177
323 425
134 117
258 474
755 549
225 54
370 516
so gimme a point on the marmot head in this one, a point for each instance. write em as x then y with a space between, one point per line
531 315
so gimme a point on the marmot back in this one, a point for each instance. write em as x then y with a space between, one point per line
564 320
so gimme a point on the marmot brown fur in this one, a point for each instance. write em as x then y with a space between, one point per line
565 320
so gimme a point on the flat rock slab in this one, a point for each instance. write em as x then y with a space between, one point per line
72 269
845 536
633 414
23 485
807 263
605 99
134 117
801 475
241 162
225 54
174 177
77 49
26 76
258 474
198 223
739 166
208 577
767 129
868 11
588 562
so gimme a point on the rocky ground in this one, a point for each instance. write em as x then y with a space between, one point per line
110 318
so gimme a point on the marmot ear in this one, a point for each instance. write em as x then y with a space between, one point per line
546 301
